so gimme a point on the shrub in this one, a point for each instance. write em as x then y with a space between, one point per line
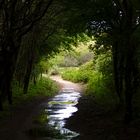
54 71
82 74
102 88
103 64
74 75
98 77
44 87
70 74
100 83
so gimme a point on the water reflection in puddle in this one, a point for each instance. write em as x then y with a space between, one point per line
61 107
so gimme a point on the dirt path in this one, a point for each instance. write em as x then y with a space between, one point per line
21 117
67 84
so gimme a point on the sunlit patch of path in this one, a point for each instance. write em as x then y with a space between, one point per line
67 84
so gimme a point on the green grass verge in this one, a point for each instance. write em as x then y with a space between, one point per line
44 87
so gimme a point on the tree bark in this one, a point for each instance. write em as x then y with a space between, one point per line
27 78
28 70
34 79
128 89
118 70
8 58
1 105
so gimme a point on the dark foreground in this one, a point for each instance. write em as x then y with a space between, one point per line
94 123
15 125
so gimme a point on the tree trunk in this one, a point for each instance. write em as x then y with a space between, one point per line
8 58
34 79
1 106
27 78
5 83
6 78
28 71
128 90
129 79
118 71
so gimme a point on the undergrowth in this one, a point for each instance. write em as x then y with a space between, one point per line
44 87
82 74
98 77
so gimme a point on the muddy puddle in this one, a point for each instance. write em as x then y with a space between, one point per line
57 110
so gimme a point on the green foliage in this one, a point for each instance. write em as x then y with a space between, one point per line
81 74
44 65
78 55
70 74
98 77
54 70
101 87
101 83
87 66
95 84
44 87
103 64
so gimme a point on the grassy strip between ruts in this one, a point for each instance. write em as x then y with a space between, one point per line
44 87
